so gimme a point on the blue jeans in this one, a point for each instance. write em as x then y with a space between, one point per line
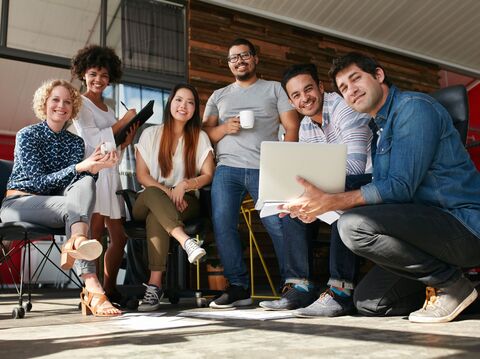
344 264
229 187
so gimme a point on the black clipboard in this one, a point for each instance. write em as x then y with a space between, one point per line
145 113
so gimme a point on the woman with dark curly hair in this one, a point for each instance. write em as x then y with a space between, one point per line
53 185
97 67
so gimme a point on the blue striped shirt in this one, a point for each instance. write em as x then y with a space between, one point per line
44 161
341 124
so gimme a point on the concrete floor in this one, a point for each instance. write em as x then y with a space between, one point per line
56 329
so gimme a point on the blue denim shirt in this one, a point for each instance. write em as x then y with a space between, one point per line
421 159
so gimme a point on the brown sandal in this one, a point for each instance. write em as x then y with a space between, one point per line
93 303
89 249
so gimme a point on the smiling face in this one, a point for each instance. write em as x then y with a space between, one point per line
305 94
362 91
58 108
242 69
182 107
97 79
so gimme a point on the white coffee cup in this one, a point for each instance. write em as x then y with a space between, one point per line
107 147
247 118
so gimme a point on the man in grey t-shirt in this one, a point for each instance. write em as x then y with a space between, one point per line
238 156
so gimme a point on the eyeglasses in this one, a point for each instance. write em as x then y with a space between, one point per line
234 58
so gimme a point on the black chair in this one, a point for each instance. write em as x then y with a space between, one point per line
26 233
455 101
176 285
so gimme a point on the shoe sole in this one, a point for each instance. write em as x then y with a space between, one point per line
463 305
238 303
89 250
275 309
196 255
153 308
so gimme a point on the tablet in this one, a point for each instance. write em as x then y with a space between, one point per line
322 164
141 117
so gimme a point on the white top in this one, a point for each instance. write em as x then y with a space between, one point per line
149 146
95 127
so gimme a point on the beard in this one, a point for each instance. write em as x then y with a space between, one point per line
247 75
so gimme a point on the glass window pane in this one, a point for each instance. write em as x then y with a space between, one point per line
153 36
54 27
114 26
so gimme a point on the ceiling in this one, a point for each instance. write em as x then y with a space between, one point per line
444 32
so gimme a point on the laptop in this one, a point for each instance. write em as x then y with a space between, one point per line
322 164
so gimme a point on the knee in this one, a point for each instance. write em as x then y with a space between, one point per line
153 191
355 230
88 184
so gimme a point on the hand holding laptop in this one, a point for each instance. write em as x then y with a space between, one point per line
293 174
313 204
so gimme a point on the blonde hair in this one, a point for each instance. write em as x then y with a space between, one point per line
43 92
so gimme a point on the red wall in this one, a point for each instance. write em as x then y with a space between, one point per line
474 131
7 144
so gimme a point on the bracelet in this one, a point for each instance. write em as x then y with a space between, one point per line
197 185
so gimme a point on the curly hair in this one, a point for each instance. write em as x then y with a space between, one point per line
43 93
97 57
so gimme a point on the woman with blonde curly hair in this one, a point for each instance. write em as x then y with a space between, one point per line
53 185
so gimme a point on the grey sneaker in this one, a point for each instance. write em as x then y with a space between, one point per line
445 304
234 296
151 299
292 298
327 305
194 251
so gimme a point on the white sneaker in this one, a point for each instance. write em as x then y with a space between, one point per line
194 251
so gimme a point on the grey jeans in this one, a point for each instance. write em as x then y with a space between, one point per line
415 241
56 211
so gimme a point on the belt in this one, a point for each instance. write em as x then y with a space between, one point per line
16 192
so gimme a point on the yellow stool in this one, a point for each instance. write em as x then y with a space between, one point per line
247 208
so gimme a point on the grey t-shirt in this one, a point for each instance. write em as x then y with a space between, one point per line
267 100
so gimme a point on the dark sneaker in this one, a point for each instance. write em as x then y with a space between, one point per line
194 251
327 305
445 304
292 298
151 299
234 296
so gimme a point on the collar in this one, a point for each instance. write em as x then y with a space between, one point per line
382 114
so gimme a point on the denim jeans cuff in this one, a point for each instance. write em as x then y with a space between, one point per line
85 267
298 281
340 283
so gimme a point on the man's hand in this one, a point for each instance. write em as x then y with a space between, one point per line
309 205
232 125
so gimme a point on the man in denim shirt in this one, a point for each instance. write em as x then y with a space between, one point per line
419 218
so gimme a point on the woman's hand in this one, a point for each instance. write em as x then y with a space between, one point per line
96 161
121 123
176 195
130 135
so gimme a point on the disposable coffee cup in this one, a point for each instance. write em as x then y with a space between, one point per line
107 147
247 118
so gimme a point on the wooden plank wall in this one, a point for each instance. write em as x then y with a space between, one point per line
211 29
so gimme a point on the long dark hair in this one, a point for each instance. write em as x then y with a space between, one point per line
191 133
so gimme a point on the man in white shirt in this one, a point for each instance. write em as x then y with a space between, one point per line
327 119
